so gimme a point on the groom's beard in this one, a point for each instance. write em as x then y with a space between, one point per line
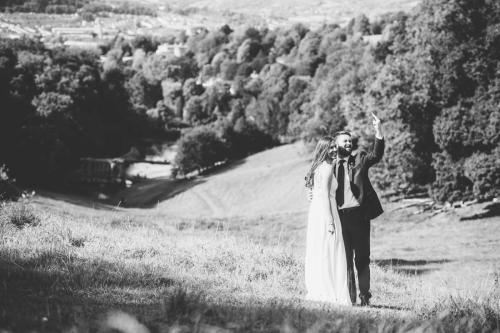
343 152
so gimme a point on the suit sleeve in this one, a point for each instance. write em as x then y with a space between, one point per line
376 154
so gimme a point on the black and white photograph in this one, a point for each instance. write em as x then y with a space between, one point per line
224 166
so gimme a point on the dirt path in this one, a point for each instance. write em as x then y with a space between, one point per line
215 206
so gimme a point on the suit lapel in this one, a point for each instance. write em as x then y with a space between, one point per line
350 167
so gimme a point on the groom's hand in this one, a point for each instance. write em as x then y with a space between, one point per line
377 125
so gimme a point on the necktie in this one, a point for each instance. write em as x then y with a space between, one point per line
340 181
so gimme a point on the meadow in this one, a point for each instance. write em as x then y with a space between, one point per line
65 264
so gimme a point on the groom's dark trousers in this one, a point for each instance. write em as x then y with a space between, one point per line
356 234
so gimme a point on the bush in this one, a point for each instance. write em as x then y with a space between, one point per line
19 215
195 111
405 167
484 172
8 189
199 148
451 184
246 138
87 16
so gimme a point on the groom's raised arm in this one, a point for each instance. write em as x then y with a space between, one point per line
378 147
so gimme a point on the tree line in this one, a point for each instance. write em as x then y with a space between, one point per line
84 7
432 78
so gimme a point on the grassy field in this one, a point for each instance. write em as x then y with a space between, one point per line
64 266
225 253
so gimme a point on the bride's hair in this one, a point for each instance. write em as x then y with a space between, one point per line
320 154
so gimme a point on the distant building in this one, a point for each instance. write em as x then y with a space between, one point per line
82 44
116 170
193 31
102 170
177 50
373 39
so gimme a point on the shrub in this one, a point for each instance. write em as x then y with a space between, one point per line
199 148
8 190
87 16
451 184
19 215
245 138
405 167
195 111
484 172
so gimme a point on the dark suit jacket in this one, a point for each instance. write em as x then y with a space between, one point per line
362 189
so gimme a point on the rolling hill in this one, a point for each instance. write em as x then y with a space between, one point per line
265 183
311 12
298 8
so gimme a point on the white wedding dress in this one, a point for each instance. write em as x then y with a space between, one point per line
325 262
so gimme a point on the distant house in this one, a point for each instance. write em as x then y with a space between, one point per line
102 170
193 31
177 50
108 171
82 44
73 31
226 84
373 39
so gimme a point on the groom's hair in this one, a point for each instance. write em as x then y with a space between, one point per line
336 135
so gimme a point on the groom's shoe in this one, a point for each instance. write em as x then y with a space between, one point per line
365 299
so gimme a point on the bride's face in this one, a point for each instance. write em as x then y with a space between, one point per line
332 150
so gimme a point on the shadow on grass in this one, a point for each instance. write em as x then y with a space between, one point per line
148 193
224 167
145 193
387 307
491 210
411 267
404 262
75 199
50 292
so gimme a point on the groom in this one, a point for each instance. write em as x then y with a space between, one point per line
357 204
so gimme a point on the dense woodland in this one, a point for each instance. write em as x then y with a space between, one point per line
84 7
433 79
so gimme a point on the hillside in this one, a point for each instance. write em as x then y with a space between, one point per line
264 183
307 11
283 12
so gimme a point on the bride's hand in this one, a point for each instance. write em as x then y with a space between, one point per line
331 230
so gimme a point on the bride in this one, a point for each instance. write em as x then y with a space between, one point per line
325 262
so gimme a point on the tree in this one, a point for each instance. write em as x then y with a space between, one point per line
361 25
293 103
195 111
143 93
51 103
199 148
308 54
146 43
248 50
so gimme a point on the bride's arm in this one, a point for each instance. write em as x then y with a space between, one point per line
309 193
326 183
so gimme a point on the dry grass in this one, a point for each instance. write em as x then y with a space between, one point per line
236 274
